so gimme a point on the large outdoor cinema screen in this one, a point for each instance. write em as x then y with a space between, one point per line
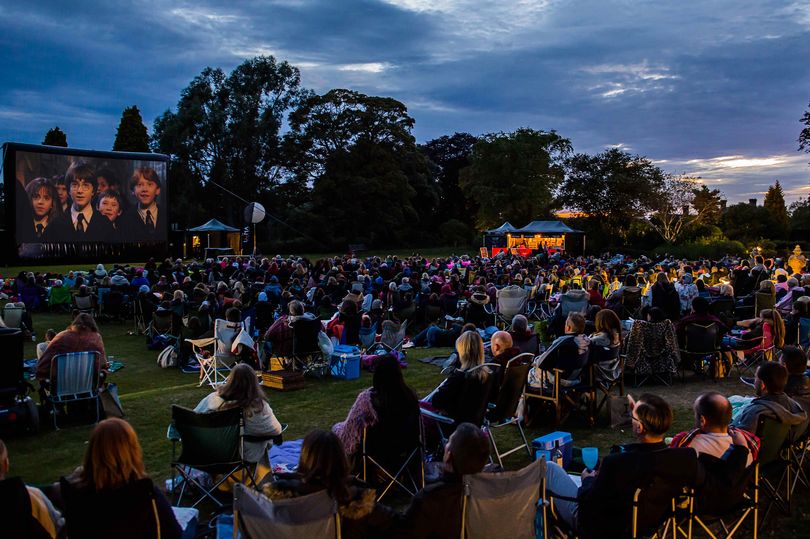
74 203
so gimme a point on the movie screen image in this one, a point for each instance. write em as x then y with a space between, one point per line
69 205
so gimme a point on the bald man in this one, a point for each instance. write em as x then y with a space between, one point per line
712 434
502 348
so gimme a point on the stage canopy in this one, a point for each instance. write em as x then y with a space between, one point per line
213 226
503 229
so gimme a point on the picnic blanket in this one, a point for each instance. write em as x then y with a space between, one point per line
438 361
284 457
30 367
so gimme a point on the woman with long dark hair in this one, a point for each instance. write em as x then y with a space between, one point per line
323 466
389 410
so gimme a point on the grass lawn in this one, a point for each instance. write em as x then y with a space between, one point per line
147 393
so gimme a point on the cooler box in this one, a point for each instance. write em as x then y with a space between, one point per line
562 441
344 363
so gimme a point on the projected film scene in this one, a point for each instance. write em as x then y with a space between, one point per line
74 204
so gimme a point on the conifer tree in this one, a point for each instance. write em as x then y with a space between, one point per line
55 137
131 135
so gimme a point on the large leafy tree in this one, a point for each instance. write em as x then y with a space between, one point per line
709 203
449 155
369 181
777 211
131 135
675 209
800 218
613 188
513 176
226 130
55 137
746 222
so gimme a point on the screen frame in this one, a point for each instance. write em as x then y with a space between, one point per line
8 164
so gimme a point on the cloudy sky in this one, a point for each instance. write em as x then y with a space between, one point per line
708 88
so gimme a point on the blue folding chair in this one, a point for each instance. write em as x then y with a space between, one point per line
74 378
368 336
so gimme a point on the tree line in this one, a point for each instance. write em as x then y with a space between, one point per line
344 168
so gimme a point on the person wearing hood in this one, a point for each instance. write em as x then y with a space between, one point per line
772 402
100 272
323 466
280 335
119 279
665 297
569 353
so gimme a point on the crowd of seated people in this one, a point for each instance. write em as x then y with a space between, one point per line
452 302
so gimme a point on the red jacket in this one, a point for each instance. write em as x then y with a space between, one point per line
595 298
72 341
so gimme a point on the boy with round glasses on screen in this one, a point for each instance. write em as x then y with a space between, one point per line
81 222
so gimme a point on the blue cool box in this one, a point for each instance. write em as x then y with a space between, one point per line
345 362
544 446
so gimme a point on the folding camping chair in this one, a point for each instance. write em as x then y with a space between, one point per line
564 399
215 366
113 306
607 372
804 334
701 342
306 351
60 298
74 378
774 467
446 425
13 316
652 352
162 324
17 408
391 339
211 443
505 504
725 526
411 454
512 300
86 304
507 410
542 307
748 365
257 517
139 325
368 336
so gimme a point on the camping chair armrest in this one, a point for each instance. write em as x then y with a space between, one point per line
436 416
172 434
201 343
277 439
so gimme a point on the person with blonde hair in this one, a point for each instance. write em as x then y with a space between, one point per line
459 396
110 495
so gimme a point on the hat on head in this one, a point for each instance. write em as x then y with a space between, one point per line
479 298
